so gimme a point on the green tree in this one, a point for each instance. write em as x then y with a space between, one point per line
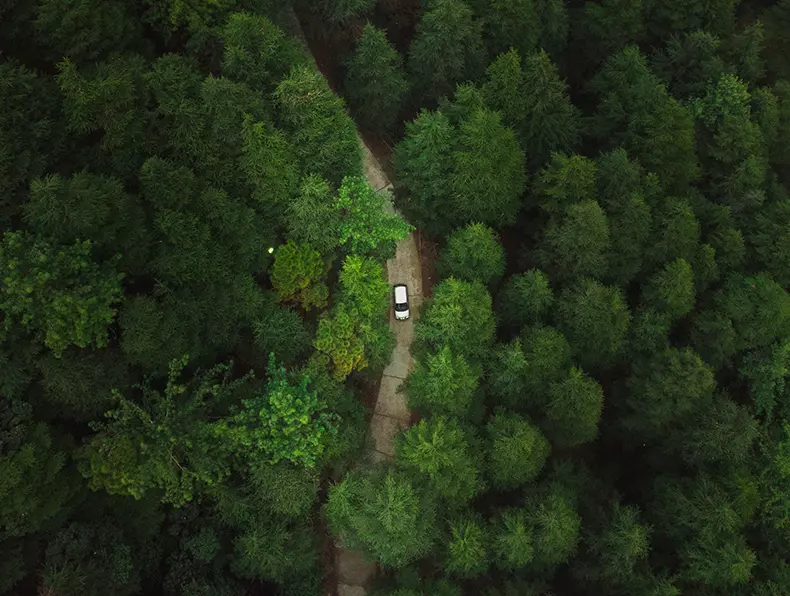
384 514
721 435
525 298
467 547
339 11
551 123
554 26
338 343
443 383
269 164
78 385
85 30
109 99
521 370
447 49
607 26
616 547
298 274
634 111
311 216
511 25
440 451
90 207
689 62
574 410
512 540
256 51
167 443
488 176
460 316
88 559
669 16
713 336
152 333
556 526
58 292
517 450
629 231
281 422
565 180
375 81
364 287
577 245
323 134
365 222
504 88
663 393
473 253
595 319
671 290
765 371
423 164
675 235
732 147
36 484
758 307
30 131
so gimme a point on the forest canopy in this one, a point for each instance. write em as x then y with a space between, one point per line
195 296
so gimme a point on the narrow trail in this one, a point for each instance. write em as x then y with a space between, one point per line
391 414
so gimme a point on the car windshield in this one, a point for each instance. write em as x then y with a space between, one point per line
401 307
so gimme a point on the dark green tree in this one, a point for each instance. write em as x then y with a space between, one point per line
671 290
574 410
473 253
595 319
256 51
525 298
607 26
511 25
447 49
423 164
488 176
323 134
616 547
86 30
577 245
662 394
517 450
375 81
565 180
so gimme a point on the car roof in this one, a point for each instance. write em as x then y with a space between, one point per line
401 293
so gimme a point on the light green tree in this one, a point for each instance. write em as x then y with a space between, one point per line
439 451
298 275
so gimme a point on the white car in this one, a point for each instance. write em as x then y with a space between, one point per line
401 298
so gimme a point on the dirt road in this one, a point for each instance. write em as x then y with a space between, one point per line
391 413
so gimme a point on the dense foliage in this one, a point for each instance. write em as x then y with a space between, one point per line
194 296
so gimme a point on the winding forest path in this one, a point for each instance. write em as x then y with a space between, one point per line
391 413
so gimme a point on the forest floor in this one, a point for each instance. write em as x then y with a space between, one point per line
391 412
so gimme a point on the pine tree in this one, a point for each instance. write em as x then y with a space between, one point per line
375 81
446 50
